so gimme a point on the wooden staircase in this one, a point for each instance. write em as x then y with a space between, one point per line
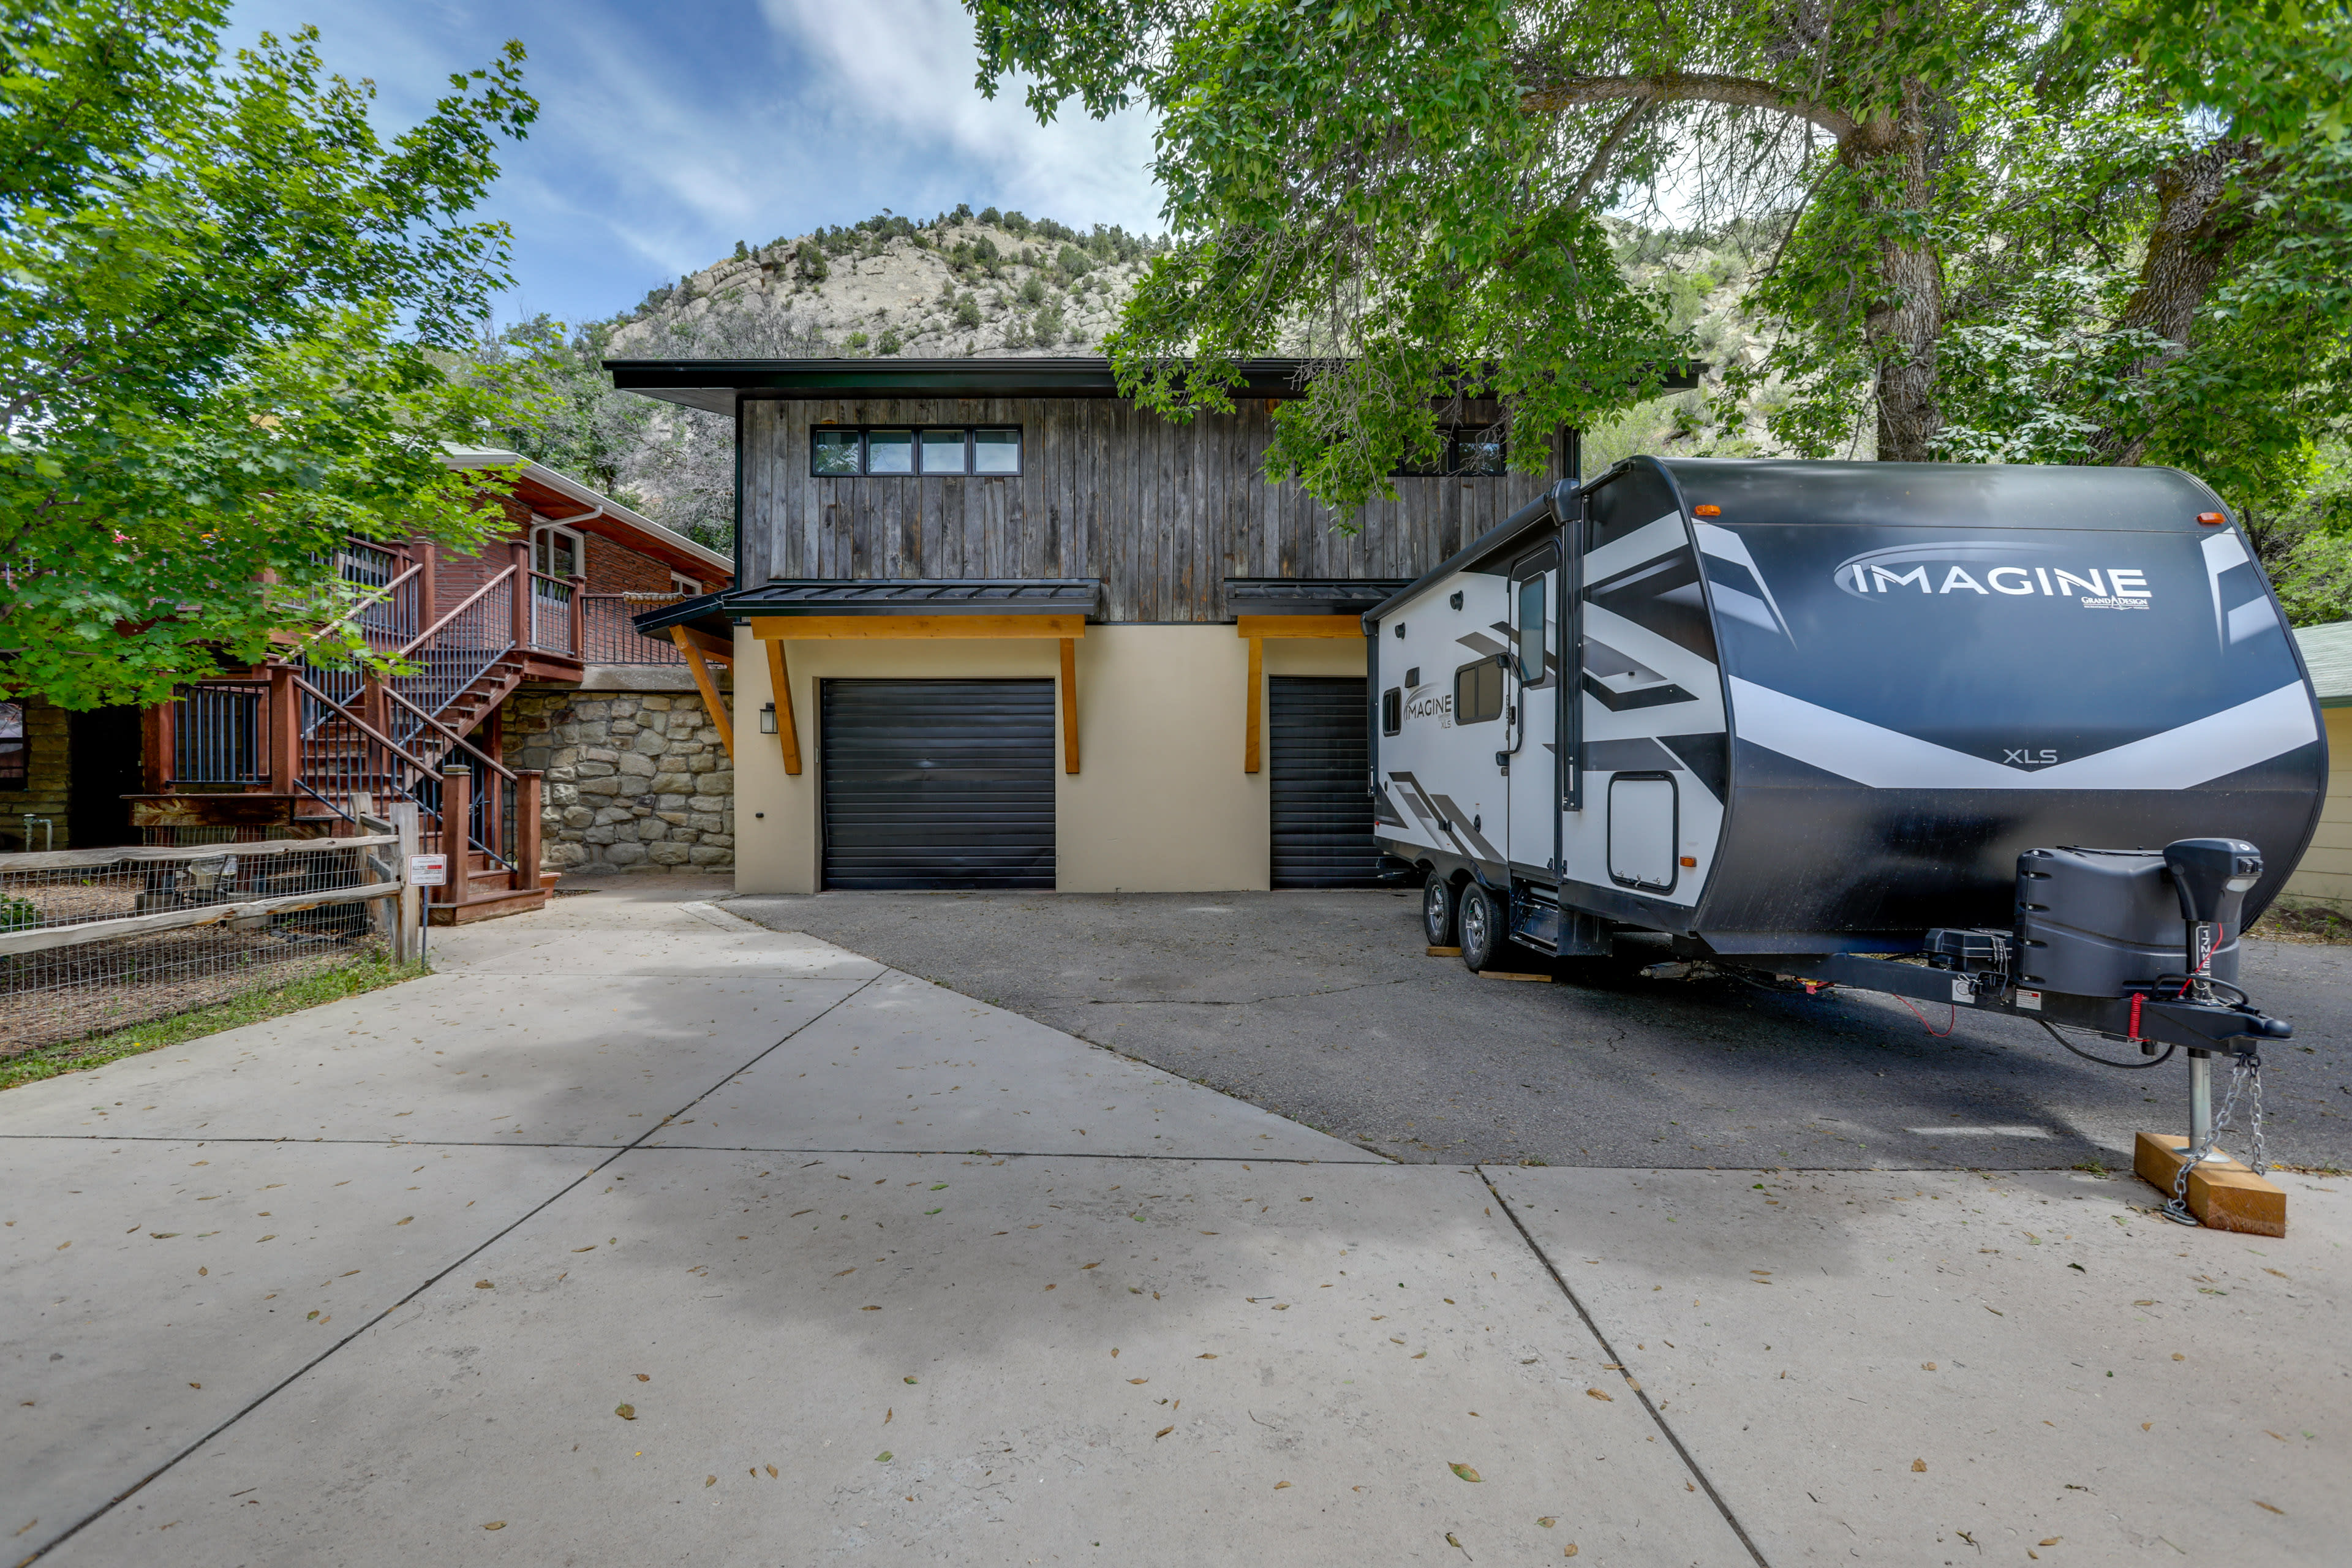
336 739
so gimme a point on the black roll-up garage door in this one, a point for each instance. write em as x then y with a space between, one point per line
1322 817
939 783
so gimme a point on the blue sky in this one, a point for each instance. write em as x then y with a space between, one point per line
670 128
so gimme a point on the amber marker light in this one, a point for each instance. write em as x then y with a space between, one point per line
1708 510
2212 518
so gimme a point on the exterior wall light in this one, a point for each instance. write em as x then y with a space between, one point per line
767 718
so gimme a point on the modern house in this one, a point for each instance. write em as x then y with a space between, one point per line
2324 877
1002 628
513 651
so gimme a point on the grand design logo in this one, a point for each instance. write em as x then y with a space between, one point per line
1987 568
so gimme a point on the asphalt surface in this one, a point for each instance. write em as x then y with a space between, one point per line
1323 1007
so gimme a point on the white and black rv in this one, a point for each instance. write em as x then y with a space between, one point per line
2042 727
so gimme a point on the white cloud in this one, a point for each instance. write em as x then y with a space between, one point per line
902 71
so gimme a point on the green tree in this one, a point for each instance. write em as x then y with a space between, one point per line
218 288
1402 188
559 406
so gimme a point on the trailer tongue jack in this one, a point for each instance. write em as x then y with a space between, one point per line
2090 950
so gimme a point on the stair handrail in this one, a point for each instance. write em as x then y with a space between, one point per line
428 634
375 596
364 727
452 736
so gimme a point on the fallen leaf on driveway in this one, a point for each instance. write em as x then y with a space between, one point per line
483 1285
1279 1485
711 1480
1465 1472
1571 1550
626 1412
885 1416
851 1269
1918 1467
1546 1522
401 1222
2053 1540
642 1377
772 1471
1598 1394
2259 1503
1206 1356
590 1248
869 1309
906 1380
1095 1264
496 1524
1139 1380
1162 1433
883 1457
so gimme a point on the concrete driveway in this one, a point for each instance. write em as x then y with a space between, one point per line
1324 1006
639 1234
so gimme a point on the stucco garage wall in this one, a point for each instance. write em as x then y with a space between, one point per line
1160 803
2325 874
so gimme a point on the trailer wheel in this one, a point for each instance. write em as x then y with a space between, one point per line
1483 927
1437 910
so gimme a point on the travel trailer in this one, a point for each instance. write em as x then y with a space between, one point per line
2021 738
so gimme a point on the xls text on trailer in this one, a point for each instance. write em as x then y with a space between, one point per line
2042 727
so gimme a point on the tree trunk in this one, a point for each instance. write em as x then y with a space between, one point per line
1904 323
2197 224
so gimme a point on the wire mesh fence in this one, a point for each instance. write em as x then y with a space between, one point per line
99 939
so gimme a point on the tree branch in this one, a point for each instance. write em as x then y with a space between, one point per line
1677 87
1598 164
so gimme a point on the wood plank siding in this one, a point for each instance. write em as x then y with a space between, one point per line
1161 512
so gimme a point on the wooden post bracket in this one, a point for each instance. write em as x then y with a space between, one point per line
780 685
692 644
1069 704
1255 630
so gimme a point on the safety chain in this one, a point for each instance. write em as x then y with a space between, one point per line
2247 1069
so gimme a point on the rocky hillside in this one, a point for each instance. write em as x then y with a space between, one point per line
965 283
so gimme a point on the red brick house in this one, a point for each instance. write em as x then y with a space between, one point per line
505 647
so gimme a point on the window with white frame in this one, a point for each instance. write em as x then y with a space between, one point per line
679 583
557 551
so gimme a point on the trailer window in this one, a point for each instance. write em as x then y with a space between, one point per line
1478 692
1393 710
1531 628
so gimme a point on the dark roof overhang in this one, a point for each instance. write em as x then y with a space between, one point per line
714 385
1308 595
719 613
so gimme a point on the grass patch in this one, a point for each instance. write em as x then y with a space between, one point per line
2304 922
313 991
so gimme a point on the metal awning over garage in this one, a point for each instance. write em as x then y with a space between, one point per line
786 609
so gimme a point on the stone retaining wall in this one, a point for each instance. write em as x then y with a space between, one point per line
636 780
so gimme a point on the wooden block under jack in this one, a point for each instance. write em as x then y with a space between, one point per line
1507 974
1445 952
2222 1194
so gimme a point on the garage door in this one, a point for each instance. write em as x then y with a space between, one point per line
1322 817
939 783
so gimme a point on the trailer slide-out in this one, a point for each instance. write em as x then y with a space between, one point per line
2021 738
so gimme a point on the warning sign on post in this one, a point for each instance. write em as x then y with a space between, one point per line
429 871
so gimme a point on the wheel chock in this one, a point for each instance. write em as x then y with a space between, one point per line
2222 1194
1445 952
1507 974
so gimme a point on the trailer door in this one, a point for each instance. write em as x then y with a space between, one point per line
1533 715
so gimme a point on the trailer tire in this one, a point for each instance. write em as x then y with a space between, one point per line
1484 926
1438 911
